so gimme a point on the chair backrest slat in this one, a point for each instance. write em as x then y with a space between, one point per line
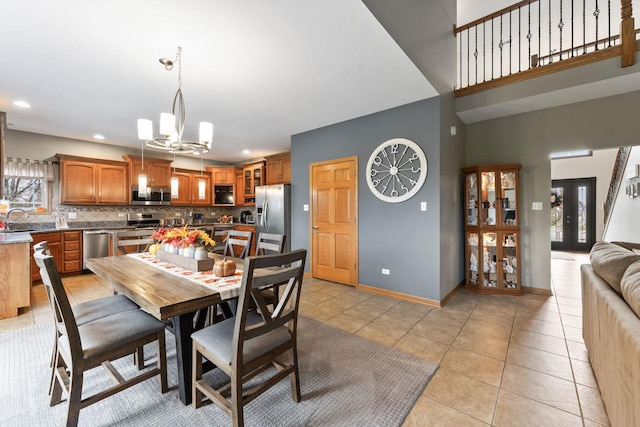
132 241
270 243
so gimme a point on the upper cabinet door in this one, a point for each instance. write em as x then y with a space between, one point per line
113 186
78 182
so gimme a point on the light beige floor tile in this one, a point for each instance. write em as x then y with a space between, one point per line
429 413
447 317
569 309
544 388
541 327
395 320
572 301
347 322
366 311
578 351
464 394
573 321
514 410
573 334
583 373
474 365
496 330
436 330
422 347
338 303
481 344
318 313
539 341
544 315
592 405
410 309
315 297
539 360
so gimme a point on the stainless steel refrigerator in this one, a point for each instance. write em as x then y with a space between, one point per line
273 211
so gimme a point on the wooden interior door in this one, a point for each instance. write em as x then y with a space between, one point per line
334 215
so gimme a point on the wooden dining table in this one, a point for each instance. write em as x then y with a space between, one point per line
165 296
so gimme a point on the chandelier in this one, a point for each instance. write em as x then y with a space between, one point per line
172 125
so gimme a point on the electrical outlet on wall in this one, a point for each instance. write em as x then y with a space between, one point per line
386 271
73 215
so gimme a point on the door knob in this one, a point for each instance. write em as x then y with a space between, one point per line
315 227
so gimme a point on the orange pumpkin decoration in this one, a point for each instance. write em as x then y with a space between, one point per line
224 267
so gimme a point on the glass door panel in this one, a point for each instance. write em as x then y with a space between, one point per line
510 260
472 242
471 185
508 198
488 198
573 214
489 258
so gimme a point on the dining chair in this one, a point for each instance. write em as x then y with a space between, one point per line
88 311
219 235
80 348
270 243
132 241
255 341
238 239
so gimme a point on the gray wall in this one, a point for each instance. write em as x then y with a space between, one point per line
529 138
397 236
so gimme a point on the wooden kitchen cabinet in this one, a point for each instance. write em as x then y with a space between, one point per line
239 190
72 251
188 189
253 176
15 286
84 181
222 174
54 240
158 170
278 169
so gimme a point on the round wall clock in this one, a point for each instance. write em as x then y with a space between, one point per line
396 170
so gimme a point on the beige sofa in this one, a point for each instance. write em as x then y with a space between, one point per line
611 327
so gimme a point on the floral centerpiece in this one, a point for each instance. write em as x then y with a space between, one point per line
180 240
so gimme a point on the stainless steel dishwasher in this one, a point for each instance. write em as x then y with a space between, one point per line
95 244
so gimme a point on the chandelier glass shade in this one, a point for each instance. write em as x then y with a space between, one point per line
172 125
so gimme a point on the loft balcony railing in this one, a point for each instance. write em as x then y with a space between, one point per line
535 37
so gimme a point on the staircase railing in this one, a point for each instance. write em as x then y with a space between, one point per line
535 33
616 180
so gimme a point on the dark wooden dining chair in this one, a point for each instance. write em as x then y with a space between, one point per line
132 241
238 244
80 348
88 311
219 235
255 340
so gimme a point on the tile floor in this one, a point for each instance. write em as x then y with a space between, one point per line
504 361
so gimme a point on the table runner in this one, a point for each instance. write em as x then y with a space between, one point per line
228 287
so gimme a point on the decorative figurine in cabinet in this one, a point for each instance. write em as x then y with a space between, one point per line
492 229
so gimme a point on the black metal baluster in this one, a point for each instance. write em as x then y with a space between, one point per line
609 20
550 53
573 45
584 27
560 27
519 39
596 13
510 42
468 49
501 45
475 54
529 34
484 51
492 45
460 63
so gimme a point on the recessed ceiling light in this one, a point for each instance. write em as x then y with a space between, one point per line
245 151
22 104
98 136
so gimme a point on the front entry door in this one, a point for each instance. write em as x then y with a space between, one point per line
334 230
573 213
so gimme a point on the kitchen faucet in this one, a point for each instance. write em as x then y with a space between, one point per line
9 212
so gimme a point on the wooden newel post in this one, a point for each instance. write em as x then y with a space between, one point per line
627 34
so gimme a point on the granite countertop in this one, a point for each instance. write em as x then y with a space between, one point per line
17 237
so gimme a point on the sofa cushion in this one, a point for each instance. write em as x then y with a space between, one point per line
610 261
630 287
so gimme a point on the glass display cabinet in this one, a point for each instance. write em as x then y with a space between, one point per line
492 229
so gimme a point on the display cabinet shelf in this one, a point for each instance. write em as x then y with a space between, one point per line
492 231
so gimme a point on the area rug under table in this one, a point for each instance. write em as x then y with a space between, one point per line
346 380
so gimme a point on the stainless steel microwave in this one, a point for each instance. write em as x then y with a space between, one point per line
156 196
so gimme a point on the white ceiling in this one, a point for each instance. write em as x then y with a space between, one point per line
259 70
